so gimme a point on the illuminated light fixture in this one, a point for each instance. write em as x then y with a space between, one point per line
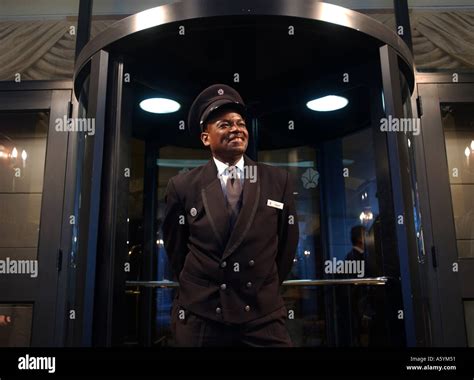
327 103
472 145
14 153
307 253
24 155
366 216
159 105
467 151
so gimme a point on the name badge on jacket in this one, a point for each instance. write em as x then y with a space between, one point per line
275 204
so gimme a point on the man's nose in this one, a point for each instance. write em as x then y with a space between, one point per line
235 126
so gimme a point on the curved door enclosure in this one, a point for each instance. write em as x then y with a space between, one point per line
352 166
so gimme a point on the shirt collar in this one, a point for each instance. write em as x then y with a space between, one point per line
221 166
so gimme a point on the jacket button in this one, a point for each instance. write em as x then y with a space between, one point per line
249 284
218 310
251 263
193 211
223 286
247 308
223 264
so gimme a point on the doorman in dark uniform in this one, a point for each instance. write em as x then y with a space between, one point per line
231 232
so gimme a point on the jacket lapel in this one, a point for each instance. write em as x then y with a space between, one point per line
250 198
214 202
216 208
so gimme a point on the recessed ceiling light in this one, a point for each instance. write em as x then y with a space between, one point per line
327 103
159 105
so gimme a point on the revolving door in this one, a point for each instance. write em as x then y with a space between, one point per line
353 166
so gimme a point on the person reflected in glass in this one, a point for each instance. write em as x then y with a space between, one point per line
360 306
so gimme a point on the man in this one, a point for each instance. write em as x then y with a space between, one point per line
358 244
360 296
230 231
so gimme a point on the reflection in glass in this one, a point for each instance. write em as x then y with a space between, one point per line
469 318
78 236
307 304
15 325
23 137
170 161
410 147
353 232
301 163
458 126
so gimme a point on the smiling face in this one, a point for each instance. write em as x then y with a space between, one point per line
226 135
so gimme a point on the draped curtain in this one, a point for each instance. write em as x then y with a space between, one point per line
44 50
40 50
441 40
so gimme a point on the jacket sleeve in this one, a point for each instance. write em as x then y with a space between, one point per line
288 231
175 230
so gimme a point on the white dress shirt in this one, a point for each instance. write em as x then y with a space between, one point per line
223 173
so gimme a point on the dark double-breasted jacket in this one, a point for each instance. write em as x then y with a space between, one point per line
234 275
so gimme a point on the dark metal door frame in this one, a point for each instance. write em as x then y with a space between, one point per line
451 286
399 188
54 97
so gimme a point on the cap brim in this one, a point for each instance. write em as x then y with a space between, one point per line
219 104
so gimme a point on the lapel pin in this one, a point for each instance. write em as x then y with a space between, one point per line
193 211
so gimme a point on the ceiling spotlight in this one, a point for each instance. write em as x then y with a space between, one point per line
327 103
159 105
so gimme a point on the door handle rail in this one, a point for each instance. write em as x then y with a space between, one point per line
378 281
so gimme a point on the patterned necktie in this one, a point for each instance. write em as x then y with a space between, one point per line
233 190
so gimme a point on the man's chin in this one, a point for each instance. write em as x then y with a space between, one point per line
236 151
234 147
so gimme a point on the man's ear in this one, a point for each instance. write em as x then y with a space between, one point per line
205 138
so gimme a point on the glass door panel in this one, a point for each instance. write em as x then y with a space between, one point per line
23 138
32 169
458 126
